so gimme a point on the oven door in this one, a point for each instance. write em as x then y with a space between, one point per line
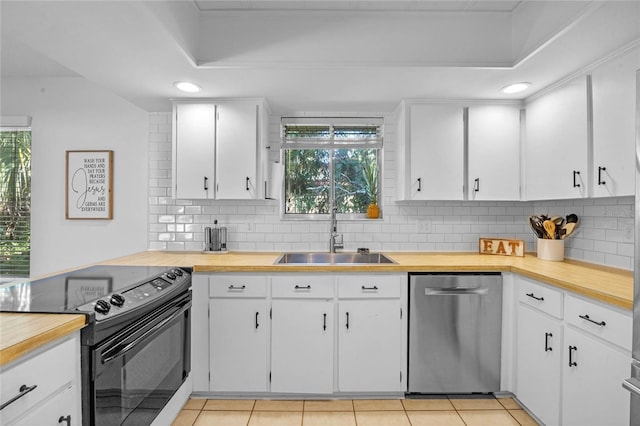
137 371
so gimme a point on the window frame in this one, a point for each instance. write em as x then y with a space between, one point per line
332 145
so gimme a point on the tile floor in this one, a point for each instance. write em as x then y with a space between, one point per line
441 411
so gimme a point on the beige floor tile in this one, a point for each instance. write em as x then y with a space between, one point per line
333 418
488 418
382 418
377 404
186 418
229 404
509 403
523 418
223 418
435 418
441 404
272 405
329 405
275 418
477 404
194 404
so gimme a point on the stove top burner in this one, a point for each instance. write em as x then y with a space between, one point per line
107 290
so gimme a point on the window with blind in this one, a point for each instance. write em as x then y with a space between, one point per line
331 162
15 202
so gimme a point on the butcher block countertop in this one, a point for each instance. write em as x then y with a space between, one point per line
610 285
22 333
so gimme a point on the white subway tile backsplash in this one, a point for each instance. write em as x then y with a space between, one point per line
604 235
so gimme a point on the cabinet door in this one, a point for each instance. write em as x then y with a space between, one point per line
436 152
194 150
369 346
592 391
494 152
238 348
614 106
539 366
302 346
236 144
556 144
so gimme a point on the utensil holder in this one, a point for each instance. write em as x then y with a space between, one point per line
551 249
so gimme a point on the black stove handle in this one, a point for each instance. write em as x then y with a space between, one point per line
121 349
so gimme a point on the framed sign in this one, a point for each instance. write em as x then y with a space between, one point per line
89 180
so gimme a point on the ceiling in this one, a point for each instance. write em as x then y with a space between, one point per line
315 55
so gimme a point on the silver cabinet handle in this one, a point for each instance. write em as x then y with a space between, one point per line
632 385
455 291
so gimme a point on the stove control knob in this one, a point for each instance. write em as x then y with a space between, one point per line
178 272
102 307
171 276
117 299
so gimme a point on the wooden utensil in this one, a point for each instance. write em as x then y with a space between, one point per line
567 229
550 227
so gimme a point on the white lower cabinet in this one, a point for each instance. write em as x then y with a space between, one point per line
369 346
239 342
44 387
298 333
572 355
539 370
302 346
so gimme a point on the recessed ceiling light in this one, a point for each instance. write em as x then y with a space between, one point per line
185 86
515 88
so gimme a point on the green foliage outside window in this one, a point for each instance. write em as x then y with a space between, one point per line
15 202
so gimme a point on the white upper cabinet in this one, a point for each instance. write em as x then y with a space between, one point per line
432 152
556 144
494 152
614 124
217 149
194 150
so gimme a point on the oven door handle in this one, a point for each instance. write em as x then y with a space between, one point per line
107 356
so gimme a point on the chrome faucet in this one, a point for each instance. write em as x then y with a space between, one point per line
334 242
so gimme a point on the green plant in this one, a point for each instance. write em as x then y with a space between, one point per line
15 202
370 174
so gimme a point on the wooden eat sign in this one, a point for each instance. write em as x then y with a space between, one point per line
501 247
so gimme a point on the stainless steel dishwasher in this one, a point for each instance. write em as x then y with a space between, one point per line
455 323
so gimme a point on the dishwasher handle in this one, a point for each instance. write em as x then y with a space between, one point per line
456 291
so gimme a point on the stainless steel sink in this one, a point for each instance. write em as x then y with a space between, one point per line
333 258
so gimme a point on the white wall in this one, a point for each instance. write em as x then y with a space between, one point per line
71 114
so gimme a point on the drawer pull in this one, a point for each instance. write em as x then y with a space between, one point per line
324 322
257 323
586 318
301 287
233 287
572 363
24 389
65 419
374 288
347 320
547 348
533 296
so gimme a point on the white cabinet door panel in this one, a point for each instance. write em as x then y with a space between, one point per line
369 346
494 152
302 346
194 150
236 142
437 152
239 339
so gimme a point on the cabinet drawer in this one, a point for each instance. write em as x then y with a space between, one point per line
302 286
232 285
606 323
369 286
540 297
48 371
63 405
